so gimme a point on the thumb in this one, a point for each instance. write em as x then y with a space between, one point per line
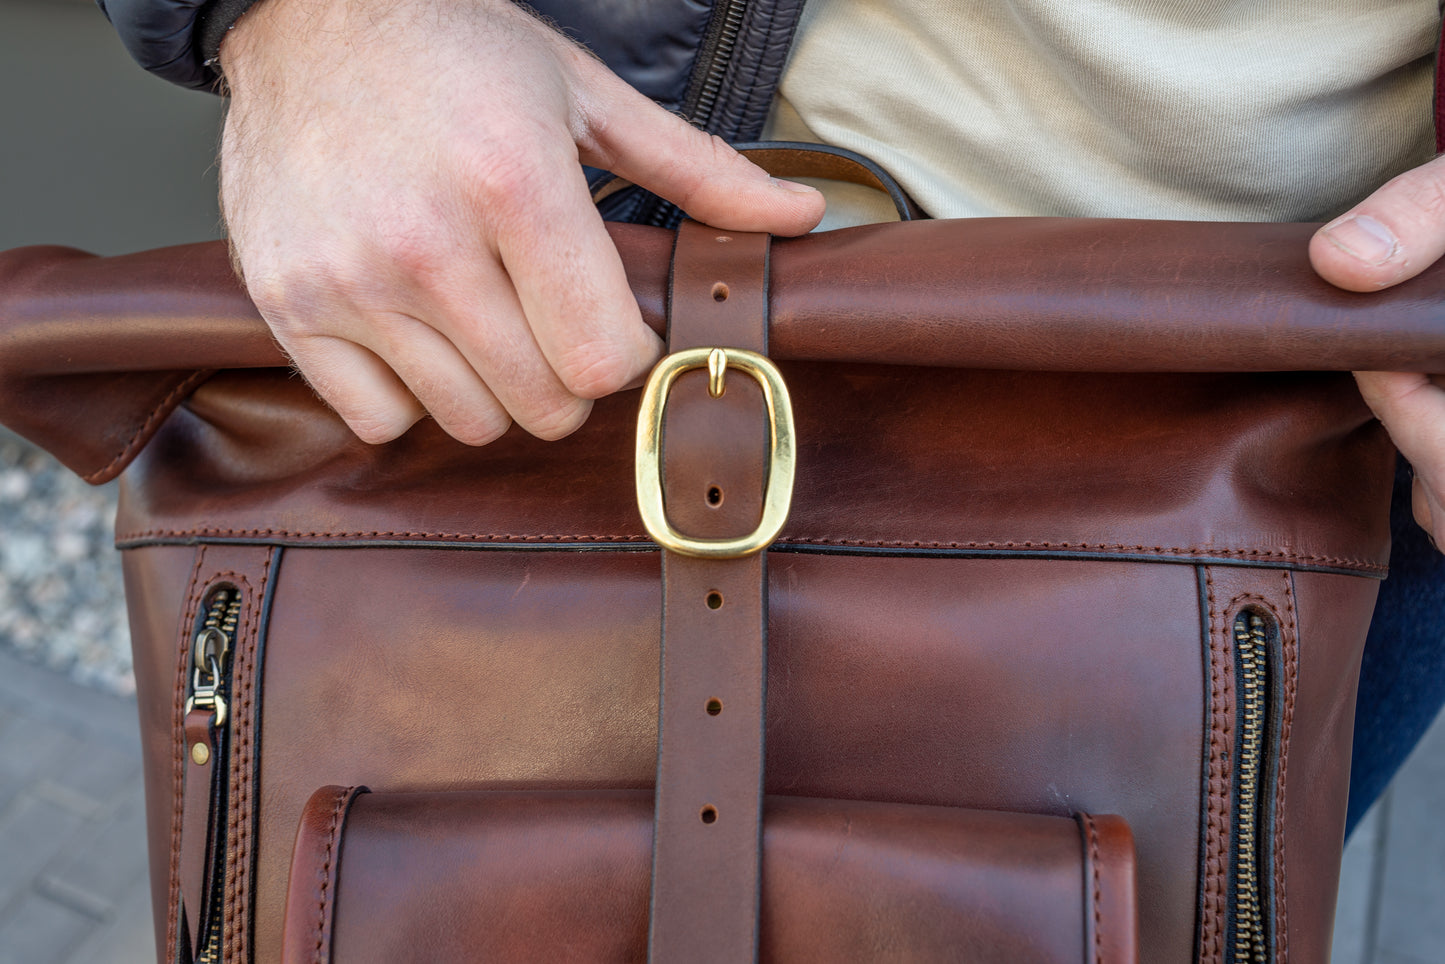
636 139
1389 237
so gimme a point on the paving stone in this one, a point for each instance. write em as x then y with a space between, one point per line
40 931
48 698
32 833
28 748
97 870
95 770
1411 923
128 938
1390 957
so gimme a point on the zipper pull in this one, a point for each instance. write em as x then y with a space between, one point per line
209 656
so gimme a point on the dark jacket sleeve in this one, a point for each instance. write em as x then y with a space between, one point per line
175 39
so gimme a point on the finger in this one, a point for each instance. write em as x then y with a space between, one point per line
475 306
1426 509
1412 408
570 285
439 377
697 171
363 390
1391 236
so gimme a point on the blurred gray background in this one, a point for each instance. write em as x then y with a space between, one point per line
98 155
95 153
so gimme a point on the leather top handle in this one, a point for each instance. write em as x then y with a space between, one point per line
793 159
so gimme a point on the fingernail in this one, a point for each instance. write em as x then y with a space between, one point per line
793 186
1364 238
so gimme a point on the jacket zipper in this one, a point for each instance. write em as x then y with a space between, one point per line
210 690
700 101
1251 857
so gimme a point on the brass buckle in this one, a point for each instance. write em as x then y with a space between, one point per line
782 450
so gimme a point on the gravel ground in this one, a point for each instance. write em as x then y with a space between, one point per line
61 601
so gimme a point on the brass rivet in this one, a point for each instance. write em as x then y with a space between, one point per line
200 754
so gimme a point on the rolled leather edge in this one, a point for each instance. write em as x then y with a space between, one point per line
315 870
1111 923
93 350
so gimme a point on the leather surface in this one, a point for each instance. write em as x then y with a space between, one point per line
156 584
706 848
250 570
1237 468
315 871
201 797
556 657
1331 615
420 879
1111 922
94 353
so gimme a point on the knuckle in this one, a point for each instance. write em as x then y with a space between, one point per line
270 292
294 295
503 180
559 420
1424 189
592 371
474 428
377 427
409 250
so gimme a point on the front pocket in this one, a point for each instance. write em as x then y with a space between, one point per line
558 876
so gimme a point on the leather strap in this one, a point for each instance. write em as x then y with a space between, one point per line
198 836
707 840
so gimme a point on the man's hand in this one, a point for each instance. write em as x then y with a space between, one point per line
1391 236
402 186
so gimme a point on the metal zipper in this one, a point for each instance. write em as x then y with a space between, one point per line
1251 860
210 689
698 104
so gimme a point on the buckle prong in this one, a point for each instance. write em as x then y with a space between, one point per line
717 372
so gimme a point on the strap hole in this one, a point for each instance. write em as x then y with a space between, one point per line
709 814
714 600
714 706
719 292
714 495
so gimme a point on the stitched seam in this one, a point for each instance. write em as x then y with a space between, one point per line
1276 554
1289 646
140 435
1098 897
1221 747
239 819
1289 655
178 749
326 892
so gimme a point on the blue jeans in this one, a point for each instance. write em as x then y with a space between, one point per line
1402 678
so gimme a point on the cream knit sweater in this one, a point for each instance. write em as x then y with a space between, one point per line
1197 109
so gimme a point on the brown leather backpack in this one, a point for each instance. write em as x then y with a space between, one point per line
1052 660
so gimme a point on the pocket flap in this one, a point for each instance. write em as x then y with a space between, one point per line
557 876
